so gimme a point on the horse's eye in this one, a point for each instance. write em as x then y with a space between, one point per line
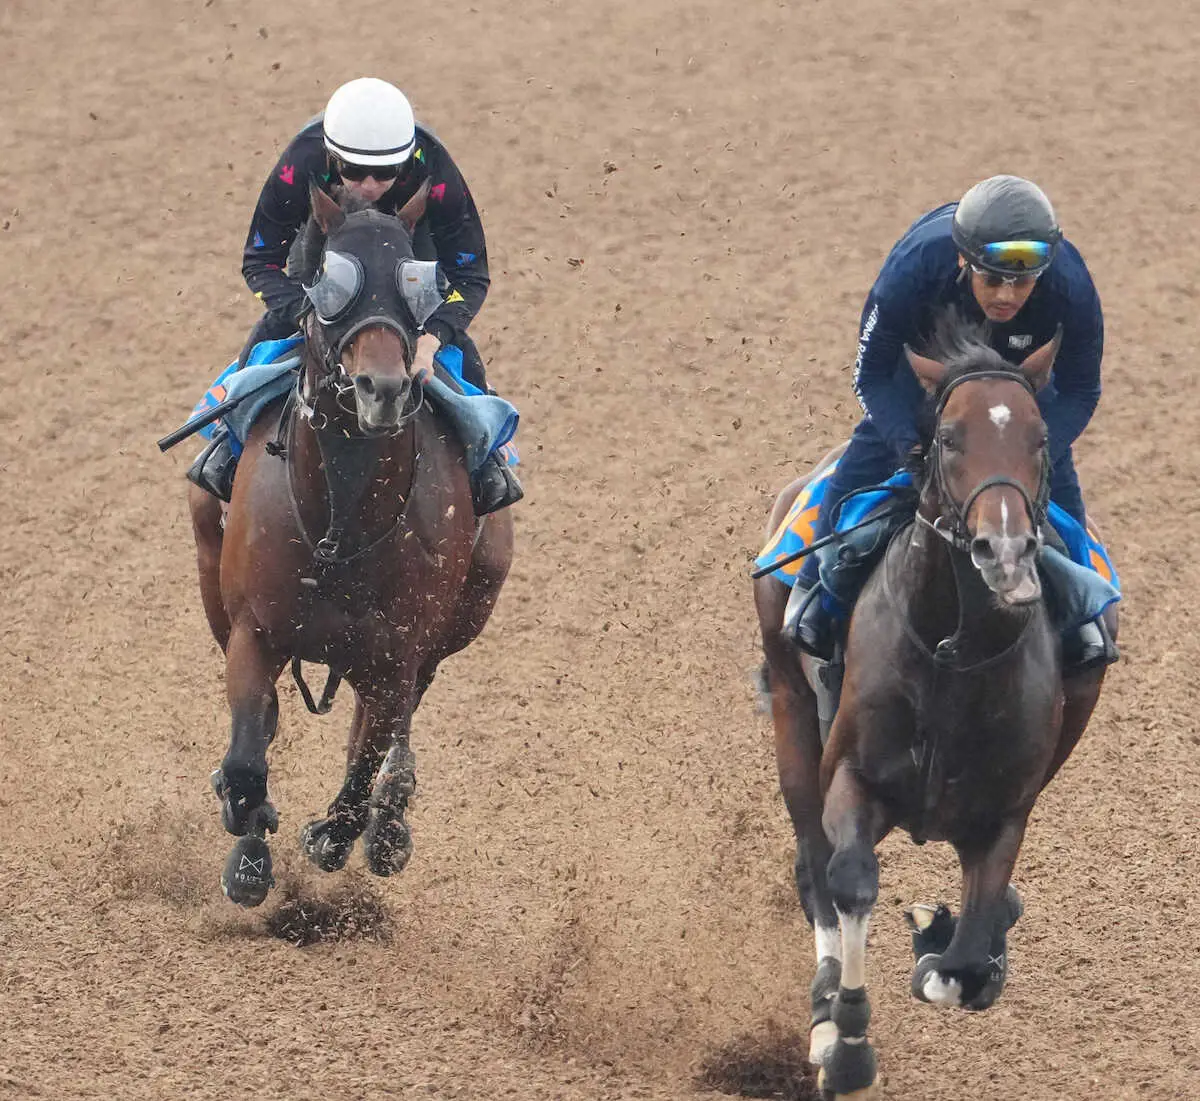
947 440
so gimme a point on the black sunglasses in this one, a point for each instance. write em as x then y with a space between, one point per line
356 173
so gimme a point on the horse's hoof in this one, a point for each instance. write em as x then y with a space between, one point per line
322 848
930 985
932 931
246 877
821 1039
387 843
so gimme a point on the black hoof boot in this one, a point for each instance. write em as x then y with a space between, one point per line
247 877
215 467
933 930
822 1031
849 1069
387 842
328 843
494 486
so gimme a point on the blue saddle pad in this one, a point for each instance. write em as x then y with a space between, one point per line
1087 581
484 422
269 373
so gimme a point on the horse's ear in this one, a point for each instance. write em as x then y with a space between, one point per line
414 210
1039 363
328 214
929 372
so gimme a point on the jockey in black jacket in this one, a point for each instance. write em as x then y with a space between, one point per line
368 142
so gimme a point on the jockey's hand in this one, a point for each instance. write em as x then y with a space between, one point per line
427 348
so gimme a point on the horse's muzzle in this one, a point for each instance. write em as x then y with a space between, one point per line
380 402
1008 565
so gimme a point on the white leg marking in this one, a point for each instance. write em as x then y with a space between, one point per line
854 950
829 942
944 992
821 1041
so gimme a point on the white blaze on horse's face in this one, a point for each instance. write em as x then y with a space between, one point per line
1001 432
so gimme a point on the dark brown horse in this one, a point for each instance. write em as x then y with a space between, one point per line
954 713
350 541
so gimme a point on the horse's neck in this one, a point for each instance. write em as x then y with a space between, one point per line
377 474
939 603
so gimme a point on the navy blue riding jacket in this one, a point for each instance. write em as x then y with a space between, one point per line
450 232
921 278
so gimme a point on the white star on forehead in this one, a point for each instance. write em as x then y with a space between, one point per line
1000 414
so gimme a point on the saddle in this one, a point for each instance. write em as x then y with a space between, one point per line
484 423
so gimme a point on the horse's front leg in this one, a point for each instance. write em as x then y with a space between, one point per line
854 822
970 970
329 841
251 668
387 841
798 757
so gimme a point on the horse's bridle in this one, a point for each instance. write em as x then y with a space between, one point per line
335 379
956 532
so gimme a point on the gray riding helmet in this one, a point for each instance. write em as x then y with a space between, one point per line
1005 209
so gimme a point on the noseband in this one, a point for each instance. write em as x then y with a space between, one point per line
335 379
955 530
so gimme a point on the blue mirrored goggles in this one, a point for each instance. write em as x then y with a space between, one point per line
1015 257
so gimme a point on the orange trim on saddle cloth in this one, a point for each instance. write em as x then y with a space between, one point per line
798 527
1098 561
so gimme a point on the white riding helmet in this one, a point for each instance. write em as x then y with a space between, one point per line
369 122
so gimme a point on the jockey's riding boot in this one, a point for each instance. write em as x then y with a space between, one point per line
806 623
1089 647
215 467
494 486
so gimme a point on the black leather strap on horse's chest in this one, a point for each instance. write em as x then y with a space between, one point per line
349 463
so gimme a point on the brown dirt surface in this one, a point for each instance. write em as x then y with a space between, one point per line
685 204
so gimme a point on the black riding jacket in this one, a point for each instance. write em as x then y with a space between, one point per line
450 231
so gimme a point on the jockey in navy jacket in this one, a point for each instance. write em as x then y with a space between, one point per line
920 279
953 258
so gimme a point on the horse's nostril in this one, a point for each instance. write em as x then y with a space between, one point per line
1031 546
982 551
365 384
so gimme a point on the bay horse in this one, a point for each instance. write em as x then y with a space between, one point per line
403 576
954 713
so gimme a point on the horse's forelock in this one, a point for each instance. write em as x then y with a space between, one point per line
962 345
305 257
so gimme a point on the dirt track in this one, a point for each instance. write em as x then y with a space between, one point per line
600 896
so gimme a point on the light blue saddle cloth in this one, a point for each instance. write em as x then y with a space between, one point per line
483 422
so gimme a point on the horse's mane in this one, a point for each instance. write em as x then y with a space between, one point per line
963 346
305 255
